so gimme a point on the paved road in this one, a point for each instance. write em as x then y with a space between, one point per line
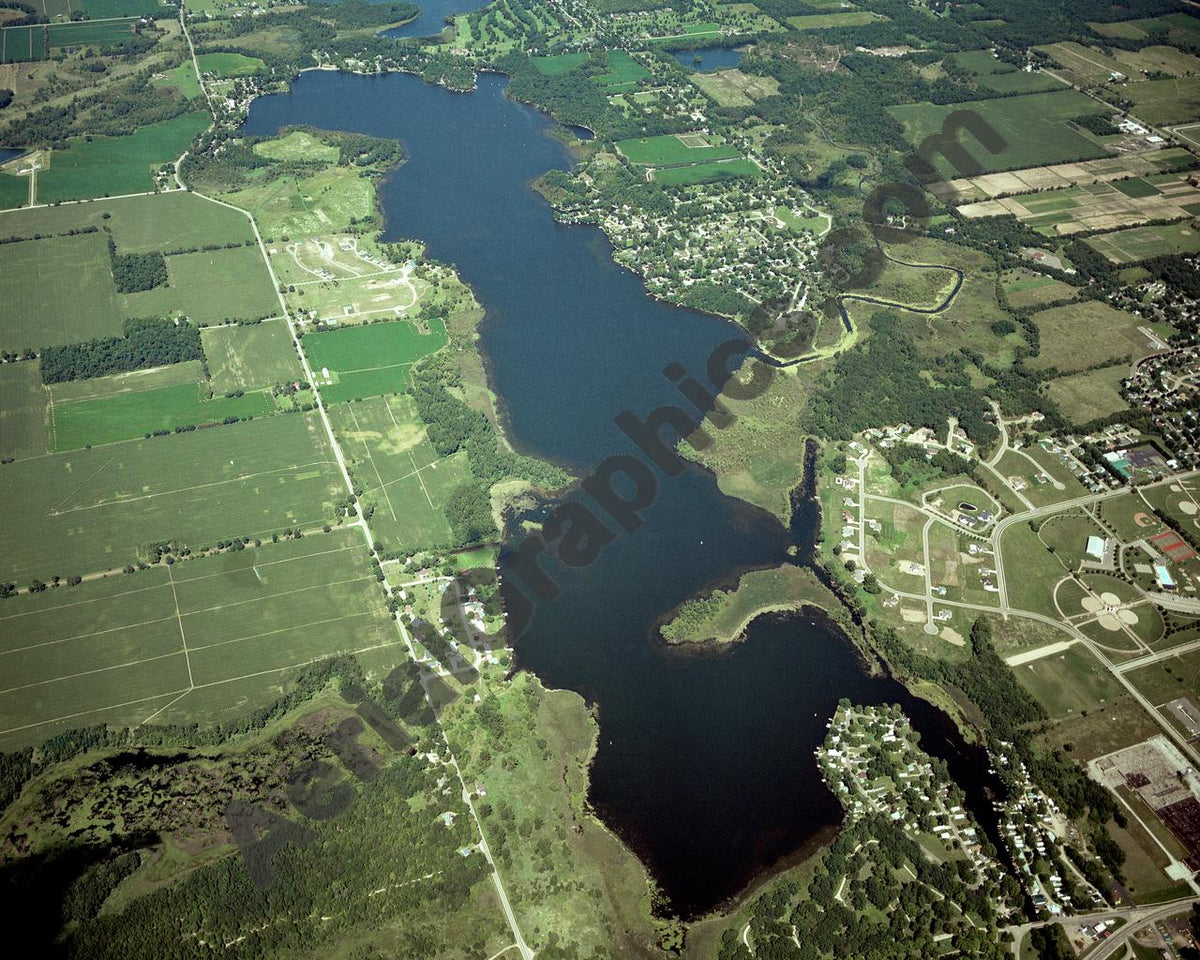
1135 919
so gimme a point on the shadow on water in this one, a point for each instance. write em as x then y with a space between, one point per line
705 764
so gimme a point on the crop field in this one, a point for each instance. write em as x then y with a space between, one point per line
120 649
1097 206
827 21
250 357
109 166
1057 176
211 286
1081 335
1141 243
1174 100
84 33
103 9
135 381
1034 129
98 509
400 473
154 223
370 360
126 416
1020 82
22 44
671 150
55 291
732 88
706 172
1094 66
14 191
22 410
1086 396
225 65
1180 27
313 206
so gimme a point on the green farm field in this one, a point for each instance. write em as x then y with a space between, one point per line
211 286
707 172
154 223
298 146
1174 100
401 476
1033 128
1142 243
1080 335
92 510
22 410
103 9
14 191
300 207
127 416
135 381
100 34
669 150
121 648
556 66
109 166
22 44
1068 683
182 78
1086 396
369 360
56 291
225 65
827 21
251 357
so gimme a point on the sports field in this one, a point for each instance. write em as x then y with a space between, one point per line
46 283
1033 128
706 172
224 65
1081 335
211 286
1141 243
157 223
127 416
110 166
22 410
367 361
218 630
672 149
250 357
90 510
401 476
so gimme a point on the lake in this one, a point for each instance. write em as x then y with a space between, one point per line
711 58
433 17
705 764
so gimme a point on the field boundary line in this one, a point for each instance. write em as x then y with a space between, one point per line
53 511
179 619
370 457
411 459
290 666
385 366
88 673
198 486
80 603
268 563
271 633
83 636
275 596
84 713
165 707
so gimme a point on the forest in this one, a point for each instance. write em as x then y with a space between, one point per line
144 343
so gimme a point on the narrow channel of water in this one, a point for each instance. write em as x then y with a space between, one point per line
433 17
705 764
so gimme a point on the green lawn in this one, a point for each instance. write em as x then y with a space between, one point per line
22 410
706 172
369 360
225 65
669 150
127 416
97 509
1033 128
109 166
250 357
1068 683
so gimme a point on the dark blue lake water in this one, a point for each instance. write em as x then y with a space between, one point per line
433 17
705 765
711 58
